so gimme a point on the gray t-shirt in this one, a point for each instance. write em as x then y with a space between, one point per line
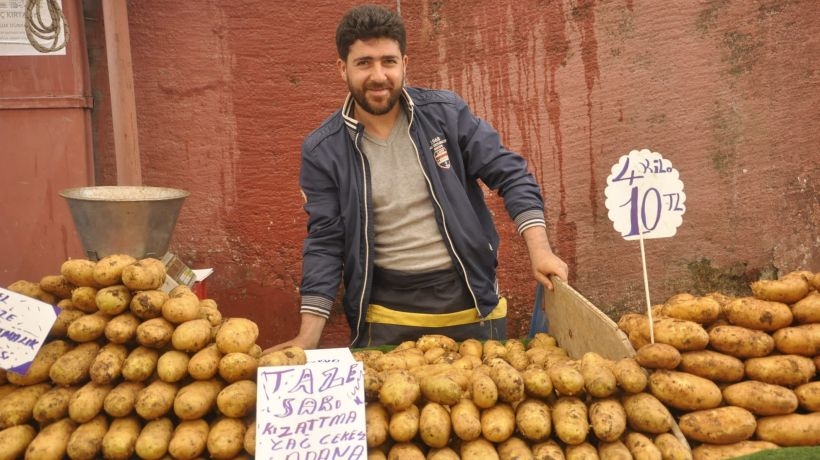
407 236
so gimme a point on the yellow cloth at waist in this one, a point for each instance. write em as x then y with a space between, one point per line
384 315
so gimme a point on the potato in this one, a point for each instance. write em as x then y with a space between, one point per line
477 449
466 420
87 328
647 414
570 419
140 364
108 270
740 342
237 399
759 315
57 285
51 441
471 347
681 334
712 365
236 335
225 438
59 329
120 441
405 451
547 450
807 310
293 356
514 449
786 370
642 447
442 389
599 380
444 453
404 425
172 366
582 451
672 448
237 366
629 375
376 424
107 365
155 333
498 422
38 370
684 391
204 364
182 308
722 425
79 272
613 450
720 452
189 439
507 379
607 418
532 419
213 315
52 405
658 356
434 425
794 341
191 336
72 367
399 391
148 304
113 300
155 400
701 310
144 275
152 442
121 328
14 440
788 288
33 290
808 396
87 401
428 341
196 399
483 390
17 407
537 382
566 379
790 430
814 332
120 401
761 398
85 442
84 298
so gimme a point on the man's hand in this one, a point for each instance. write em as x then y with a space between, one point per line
309 334
544 261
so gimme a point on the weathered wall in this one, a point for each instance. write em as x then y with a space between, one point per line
725 90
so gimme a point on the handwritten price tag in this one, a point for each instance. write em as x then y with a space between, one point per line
644 196
24 327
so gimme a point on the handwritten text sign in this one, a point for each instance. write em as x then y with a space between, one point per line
644 196
24 326
315 411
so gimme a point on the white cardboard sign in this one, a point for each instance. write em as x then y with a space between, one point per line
24 326
312 412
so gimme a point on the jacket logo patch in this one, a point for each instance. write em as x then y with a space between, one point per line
438 146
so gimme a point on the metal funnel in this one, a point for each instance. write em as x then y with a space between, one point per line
132 220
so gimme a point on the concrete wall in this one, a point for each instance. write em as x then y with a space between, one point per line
726 90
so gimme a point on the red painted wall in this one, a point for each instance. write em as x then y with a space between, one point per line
226 91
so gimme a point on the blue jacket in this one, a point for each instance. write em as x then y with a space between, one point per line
456 149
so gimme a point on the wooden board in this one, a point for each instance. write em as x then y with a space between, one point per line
579 326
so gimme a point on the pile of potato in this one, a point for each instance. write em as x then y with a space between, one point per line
437 399
130 371
738 373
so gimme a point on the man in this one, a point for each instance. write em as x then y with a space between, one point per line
394 206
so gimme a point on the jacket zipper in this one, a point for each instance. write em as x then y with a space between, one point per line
366 238
443 217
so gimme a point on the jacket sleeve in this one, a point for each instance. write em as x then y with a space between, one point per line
324 244
500 169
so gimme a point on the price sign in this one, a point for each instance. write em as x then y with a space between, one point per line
644 196
24 326
310 412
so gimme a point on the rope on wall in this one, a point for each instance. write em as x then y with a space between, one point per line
38 30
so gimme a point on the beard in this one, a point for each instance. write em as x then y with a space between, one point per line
376 108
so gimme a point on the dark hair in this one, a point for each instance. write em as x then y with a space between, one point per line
369 21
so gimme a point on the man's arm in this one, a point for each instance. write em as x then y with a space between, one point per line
544 261
310 332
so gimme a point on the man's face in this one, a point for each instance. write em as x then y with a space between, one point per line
374 72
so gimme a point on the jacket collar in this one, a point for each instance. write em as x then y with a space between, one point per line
353 124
